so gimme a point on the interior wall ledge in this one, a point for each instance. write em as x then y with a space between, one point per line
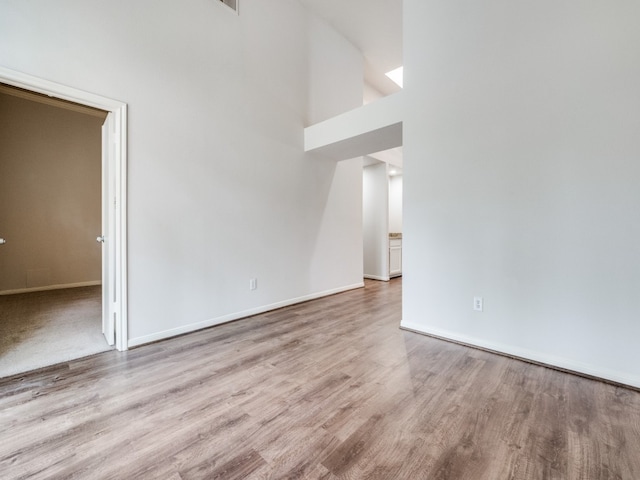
368 129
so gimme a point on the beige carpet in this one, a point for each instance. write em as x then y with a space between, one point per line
44 328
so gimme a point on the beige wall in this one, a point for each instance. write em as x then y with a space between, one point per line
50 195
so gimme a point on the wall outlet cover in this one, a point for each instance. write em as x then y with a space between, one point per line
478 304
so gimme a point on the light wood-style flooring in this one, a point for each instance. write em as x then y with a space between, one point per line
329 389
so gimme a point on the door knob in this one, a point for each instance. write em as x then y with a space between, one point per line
100 239
2 241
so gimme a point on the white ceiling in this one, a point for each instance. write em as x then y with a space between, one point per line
372 26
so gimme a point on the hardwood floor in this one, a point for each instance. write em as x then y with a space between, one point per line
329 389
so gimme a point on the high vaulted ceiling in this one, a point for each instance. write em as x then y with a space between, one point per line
372 26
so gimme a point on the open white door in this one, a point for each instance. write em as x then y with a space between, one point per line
105 237
114 197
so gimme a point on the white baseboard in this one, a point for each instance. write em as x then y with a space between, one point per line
51 287
376 277
530 355
154 337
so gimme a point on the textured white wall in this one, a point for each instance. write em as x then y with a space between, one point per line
522 180
220 190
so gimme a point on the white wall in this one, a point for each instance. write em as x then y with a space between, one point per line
333 67
522 178
375 218
395 204
370 94
50 167
220 189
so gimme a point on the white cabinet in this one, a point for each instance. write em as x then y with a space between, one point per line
395 257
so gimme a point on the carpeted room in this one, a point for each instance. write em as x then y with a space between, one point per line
50 214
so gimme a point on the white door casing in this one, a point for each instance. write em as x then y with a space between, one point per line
108 220
114 180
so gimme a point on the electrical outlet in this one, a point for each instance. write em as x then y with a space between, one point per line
477 304
253 283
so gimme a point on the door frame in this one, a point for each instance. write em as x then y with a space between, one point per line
115 194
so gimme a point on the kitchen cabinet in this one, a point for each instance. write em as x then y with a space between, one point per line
395 257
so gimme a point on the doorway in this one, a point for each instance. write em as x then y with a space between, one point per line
382 214
50 208
112 233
